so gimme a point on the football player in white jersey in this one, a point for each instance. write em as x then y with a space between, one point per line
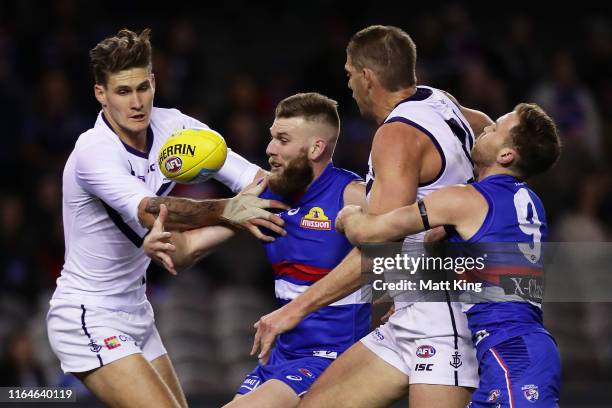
422 144
100 323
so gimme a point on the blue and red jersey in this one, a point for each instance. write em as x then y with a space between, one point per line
511 236
312 248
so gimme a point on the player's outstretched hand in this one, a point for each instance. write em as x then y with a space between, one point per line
346 221
270 326
246 210
157 243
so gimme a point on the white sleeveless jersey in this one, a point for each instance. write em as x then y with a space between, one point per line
433 113
103 183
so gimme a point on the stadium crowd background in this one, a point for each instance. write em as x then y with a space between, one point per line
229 65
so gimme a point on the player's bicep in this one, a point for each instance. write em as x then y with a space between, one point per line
396 159
355 194
447 206
105 177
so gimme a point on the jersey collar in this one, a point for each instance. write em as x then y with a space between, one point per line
420 95
130 149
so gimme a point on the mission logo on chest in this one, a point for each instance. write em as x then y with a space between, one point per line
316 219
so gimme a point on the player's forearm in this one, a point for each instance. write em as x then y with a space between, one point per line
203 241
183 213
386 227
340 282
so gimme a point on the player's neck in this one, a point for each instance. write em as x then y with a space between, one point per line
386 101
136 141
317 170
483 173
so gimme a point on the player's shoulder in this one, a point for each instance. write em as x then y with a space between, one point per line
398 136
423 104
174 118
166 113
347 175
95 139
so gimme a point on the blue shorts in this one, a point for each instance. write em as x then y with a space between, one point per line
299 373
524 371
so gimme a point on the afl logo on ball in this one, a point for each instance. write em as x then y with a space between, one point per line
425 351
174 164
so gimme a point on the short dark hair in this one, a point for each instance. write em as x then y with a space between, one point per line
389 52
125 50
310 106
536 140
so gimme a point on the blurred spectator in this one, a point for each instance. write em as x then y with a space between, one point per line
572 107
19 365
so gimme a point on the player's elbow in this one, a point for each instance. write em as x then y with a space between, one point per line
145 218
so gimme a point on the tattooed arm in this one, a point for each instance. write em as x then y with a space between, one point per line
246 210
183 213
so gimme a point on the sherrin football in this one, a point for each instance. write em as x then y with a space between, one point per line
192 155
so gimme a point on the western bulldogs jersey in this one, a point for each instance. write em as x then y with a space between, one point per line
434 114
311 249
103 183
511 237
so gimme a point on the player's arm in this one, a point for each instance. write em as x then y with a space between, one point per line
180 250
397 152
476 119
460 206
246 210
175 250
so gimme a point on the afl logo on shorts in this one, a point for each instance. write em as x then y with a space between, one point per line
425 351
173 164
316 219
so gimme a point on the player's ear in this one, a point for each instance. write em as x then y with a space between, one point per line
507 156
152 79
369 77
317 149
100 94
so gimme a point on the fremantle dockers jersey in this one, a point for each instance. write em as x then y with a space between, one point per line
311 249
511 237
103 183
434 114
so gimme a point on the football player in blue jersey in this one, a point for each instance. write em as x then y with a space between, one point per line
304 134
518 360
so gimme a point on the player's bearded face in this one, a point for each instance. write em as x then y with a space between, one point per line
292 176
128 99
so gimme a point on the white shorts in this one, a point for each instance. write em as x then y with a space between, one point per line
86 337
428 343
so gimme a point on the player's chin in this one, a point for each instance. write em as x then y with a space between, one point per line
276 171
138 124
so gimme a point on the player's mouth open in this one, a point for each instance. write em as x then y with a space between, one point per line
274 166
138 117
